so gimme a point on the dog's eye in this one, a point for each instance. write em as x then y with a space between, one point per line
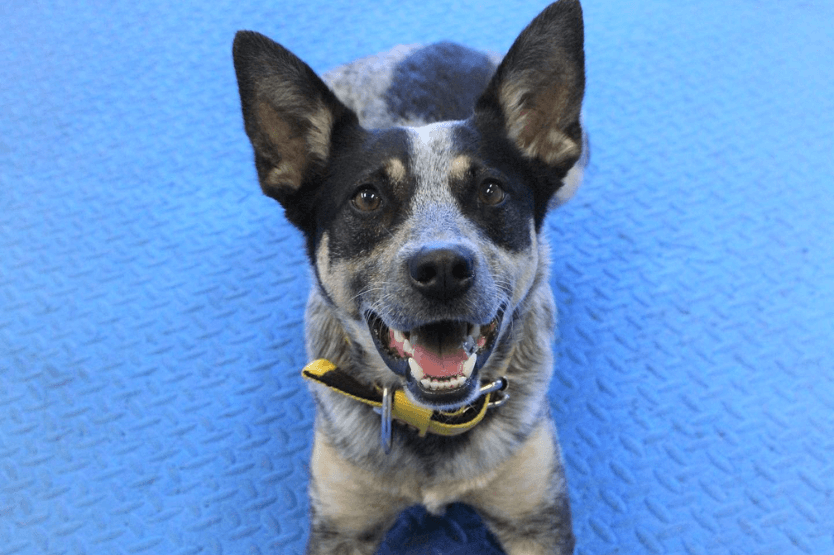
366 199
490 192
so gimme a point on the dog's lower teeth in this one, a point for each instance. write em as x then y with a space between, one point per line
437 385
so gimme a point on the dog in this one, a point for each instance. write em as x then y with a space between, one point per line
420 179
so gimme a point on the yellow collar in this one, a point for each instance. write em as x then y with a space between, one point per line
400 408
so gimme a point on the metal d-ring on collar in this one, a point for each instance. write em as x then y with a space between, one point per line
499 387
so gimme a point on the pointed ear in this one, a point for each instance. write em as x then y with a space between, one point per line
537 90
289 114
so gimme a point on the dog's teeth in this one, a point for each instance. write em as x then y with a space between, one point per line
407 348
476 331
416 370
434 384
398 336
469 365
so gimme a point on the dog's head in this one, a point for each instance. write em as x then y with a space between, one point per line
424 240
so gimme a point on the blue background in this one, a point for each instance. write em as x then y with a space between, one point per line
151 299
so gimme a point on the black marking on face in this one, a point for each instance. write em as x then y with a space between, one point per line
366 165
492 164
371 164
536 177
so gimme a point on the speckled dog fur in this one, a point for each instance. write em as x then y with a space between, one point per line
419 149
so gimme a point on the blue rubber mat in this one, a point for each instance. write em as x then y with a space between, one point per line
151 299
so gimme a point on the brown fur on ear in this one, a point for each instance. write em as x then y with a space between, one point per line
538 88
288 112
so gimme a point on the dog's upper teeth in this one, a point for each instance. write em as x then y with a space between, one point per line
469 365
476 331
407 348
398 336
416 370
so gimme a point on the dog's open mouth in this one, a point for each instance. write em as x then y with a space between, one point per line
439 360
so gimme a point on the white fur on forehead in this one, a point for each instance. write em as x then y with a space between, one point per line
433 159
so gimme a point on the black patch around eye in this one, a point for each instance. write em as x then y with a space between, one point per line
359 204
490 192
508 222
494 193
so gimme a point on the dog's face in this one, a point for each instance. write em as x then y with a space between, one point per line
425 241
425 245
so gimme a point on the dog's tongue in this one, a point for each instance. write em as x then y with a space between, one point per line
440 365
439 350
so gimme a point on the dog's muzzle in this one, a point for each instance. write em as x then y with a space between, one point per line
439 357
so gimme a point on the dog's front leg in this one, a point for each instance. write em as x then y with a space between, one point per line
526 506
350 509
326 538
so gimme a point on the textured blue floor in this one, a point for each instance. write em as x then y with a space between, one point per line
151 299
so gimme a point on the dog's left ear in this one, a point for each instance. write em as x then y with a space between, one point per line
536 93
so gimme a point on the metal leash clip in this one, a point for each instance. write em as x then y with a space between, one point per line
385 432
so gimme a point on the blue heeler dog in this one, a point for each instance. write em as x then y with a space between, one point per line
420 179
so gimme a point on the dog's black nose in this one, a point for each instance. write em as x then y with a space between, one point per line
443 272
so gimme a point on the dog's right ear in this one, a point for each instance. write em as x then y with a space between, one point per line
290 116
